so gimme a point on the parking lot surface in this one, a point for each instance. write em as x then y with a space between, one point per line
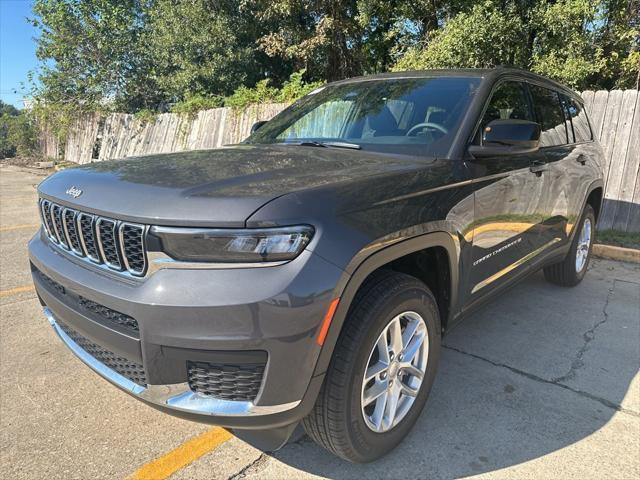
541 383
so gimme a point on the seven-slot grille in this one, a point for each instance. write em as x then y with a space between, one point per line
118 245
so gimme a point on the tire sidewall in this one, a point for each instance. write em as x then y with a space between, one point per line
367 443
588 213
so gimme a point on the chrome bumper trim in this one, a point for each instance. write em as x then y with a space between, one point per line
175 396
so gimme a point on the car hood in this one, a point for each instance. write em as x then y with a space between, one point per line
220 187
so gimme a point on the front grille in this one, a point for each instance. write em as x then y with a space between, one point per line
88 236
56 214
45 211
127 368
107 241
132 240
226 382
104 241
71 230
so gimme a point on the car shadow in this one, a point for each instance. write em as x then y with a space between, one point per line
529 374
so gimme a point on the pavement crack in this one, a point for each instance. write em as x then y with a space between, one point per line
587 337
535 378
252 468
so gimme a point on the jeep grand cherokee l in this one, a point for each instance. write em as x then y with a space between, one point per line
307 275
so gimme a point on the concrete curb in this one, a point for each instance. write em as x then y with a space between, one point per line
616 253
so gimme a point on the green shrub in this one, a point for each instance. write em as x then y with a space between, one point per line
243 96
18 135
293 89
146 115
192 104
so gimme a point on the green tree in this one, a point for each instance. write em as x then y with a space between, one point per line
194 47
481 38
335 39
578 42
89 52
155 55
18 135
7 113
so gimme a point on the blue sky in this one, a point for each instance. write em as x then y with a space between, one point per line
17 48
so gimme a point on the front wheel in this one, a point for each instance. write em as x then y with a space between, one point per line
382 369
573 268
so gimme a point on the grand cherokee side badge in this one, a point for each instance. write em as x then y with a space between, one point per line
74 192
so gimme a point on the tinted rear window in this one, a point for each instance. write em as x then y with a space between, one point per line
414 116
579 121
550 115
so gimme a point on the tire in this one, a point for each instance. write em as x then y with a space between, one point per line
567 272
337 421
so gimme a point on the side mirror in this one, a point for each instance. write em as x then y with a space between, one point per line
507 137
257 125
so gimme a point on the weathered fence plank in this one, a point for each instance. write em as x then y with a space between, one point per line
614 118
630 170
616 150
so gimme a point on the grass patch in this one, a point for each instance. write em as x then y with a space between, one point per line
618 239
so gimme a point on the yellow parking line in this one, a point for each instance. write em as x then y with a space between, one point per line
169 463
15 291
18 227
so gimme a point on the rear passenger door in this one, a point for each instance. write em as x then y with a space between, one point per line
564 186
509 203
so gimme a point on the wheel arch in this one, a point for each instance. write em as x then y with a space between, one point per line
594 198
350 284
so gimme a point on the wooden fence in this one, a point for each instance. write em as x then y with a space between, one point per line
615 118
121 135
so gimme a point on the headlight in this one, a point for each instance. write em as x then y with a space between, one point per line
233 246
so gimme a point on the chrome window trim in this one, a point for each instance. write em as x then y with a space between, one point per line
114 230
66 230
79 217
123 253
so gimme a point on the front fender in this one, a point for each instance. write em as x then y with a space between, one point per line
349 284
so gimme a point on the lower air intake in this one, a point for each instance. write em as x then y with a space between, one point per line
226 382
131 370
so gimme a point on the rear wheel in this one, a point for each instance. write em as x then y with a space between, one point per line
382 369
573 268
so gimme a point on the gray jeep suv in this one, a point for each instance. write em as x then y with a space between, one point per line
308 274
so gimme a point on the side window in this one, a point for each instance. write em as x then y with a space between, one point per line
508 101
566 108
550 115
581 127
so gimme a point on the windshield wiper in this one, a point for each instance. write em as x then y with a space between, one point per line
313 143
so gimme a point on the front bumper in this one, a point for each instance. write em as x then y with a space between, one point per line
200 314
175 396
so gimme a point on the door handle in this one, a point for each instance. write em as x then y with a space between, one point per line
538 168
582 159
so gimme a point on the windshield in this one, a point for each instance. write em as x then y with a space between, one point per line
413 116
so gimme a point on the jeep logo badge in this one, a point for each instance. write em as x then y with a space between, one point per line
74 192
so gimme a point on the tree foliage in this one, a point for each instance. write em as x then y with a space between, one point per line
182 55
18 134
195 47
578 42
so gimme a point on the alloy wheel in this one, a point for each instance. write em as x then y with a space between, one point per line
584 243
394 372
